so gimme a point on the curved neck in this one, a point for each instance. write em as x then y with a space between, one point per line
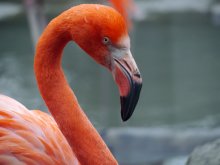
84 140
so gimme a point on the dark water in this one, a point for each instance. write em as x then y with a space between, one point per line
178 56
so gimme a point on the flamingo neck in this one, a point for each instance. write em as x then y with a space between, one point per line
83 138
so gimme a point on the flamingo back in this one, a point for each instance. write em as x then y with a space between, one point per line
31 137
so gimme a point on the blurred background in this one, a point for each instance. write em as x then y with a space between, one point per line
176 45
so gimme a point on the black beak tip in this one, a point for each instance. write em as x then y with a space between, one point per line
129 102
123 116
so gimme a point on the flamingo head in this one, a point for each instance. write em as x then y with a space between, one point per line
102 33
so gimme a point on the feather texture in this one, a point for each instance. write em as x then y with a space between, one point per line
31 137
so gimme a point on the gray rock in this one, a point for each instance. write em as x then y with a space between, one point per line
208 154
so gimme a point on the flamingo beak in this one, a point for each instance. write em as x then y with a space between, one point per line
129 81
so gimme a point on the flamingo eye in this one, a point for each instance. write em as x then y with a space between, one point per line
106 40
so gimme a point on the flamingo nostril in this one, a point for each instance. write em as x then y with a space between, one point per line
137 75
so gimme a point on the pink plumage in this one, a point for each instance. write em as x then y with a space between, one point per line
30 137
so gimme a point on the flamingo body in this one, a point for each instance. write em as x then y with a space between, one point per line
31 137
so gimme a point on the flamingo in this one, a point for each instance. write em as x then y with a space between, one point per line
34 137
123 6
